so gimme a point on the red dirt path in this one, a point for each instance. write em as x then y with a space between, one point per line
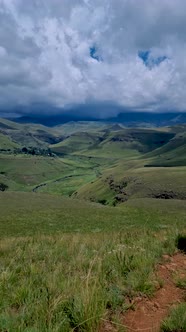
149 313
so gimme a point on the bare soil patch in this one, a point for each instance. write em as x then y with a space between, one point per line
149 313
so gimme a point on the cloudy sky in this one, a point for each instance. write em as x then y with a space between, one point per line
63 53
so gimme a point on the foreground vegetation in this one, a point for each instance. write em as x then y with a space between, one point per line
71 264
176 321
72 282
68 265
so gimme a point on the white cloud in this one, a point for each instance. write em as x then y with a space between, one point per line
45 53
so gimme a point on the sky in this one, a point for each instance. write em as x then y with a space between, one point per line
59 54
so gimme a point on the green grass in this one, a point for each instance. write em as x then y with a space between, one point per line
68 264
171 154
26 171
60 175
92 154
7 143
111 151
76 142
176 322
69 184
80 126
139 182
70 282
31 213
76 276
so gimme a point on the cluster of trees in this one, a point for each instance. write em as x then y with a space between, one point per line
30 150
5 150
35 151
3 186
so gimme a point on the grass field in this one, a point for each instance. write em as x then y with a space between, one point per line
62 270
32 213
71 264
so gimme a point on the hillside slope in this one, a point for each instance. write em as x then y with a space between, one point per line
109 164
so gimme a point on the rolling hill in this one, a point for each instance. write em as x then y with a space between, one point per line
28 134
173 153
105 163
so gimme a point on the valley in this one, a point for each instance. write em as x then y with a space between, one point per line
107 162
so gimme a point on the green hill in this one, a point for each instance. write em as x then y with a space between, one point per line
132 180
25 172
77 142
131 142
105 163
171 154
116 143
28 134
6 143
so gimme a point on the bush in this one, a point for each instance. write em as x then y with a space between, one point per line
3 187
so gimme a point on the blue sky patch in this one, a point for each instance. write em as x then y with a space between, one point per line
144 55
149 60
93 53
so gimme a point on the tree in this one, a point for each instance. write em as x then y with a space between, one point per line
3 187
24 150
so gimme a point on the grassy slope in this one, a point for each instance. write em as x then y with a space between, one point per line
53 175
172 153
141 181
98 149
76 142
114 143
80 126
35 135
26 171
60 267
136 181
31 213
7 143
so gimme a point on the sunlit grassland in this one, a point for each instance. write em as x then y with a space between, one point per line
69 184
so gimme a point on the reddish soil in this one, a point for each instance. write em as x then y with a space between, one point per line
149 313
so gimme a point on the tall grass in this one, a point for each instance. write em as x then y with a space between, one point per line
176 321
72 282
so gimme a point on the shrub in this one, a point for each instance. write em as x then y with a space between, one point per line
3 187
